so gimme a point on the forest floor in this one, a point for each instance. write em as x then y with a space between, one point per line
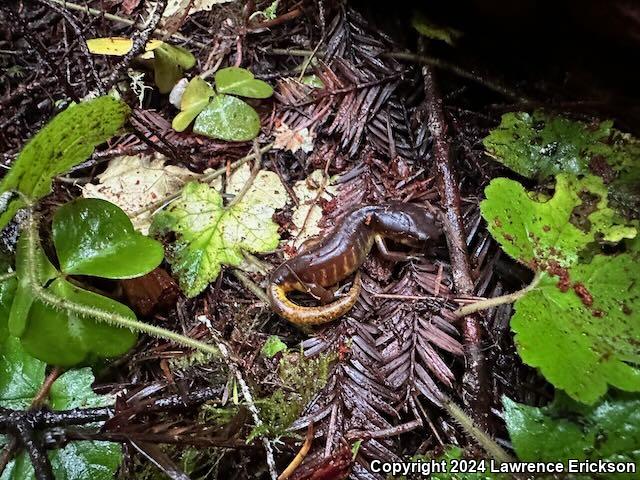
389 115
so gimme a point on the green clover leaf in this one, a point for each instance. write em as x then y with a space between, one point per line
240 81
95 237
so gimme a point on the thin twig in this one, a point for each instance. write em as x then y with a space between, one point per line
140 40
246 393
250 285
41 397
22 28
496 301
294 13
459 71
254 173
309 59
125 21
81 41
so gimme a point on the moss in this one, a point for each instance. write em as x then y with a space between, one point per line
302 378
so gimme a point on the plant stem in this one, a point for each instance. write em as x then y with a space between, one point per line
254 173
501 300
30 229
7 276
480 436
250 285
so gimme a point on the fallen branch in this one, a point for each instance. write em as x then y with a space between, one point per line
460 72
475 381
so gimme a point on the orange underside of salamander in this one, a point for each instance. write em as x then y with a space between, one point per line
325 262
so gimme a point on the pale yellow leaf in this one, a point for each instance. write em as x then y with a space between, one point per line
135 182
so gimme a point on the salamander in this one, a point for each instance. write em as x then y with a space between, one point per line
324 262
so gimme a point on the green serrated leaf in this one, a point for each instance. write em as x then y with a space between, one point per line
194 99
540 233
95 237
273 346
228 118
539 146
608 431
240 81
210 235
20 375
583 333
67 140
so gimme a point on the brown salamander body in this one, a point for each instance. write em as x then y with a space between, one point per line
325 262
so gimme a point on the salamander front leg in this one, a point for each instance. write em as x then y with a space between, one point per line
390 255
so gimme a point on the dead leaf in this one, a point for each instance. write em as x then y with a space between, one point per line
307 216
177 7
293 140
135 182
128 6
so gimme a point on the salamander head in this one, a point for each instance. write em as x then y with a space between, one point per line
407 223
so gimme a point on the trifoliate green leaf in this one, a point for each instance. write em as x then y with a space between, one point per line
194 99
541 233
539 146
228 118
240 81
210 235
65 141
58 336
581 330
95 237
24 376
607 431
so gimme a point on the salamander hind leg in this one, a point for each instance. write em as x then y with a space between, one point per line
391 255
325 295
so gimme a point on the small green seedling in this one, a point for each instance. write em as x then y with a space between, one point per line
224 116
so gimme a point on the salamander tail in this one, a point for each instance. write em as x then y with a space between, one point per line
300 315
